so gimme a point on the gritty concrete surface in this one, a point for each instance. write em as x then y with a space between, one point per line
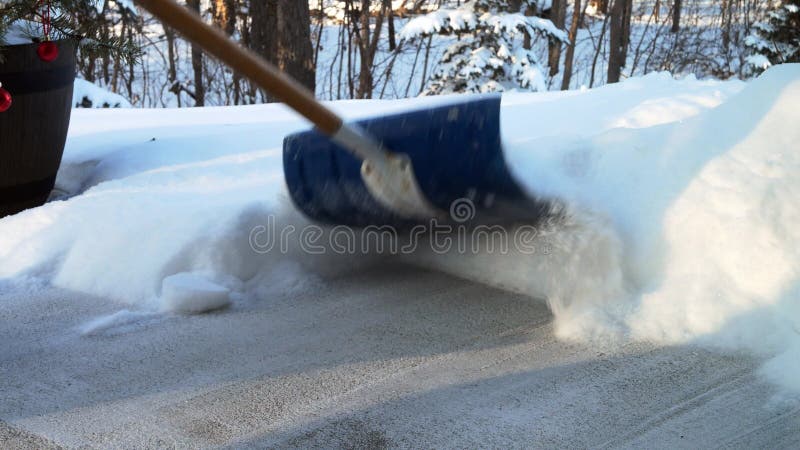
14 438
394 357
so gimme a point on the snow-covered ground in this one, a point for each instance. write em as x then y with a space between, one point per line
672 287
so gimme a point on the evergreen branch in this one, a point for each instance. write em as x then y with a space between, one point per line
79 20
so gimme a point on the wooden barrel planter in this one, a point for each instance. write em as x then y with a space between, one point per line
33 130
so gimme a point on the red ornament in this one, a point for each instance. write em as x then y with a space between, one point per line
47 51
5 100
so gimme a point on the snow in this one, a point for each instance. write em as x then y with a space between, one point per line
192 293
460 19
694 222
682 196
126 4
88 95
463 19
20 33
120 321
122 4
759 61
490 52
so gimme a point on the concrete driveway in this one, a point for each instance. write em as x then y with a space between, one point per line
391 357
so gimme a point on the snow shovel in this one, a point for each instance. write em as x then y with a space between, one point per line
443 162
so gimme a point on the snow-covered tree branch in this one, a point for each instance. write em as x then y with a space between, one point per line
494 50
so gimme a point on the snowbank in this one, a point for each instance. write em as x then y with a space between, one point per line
681 232
682 226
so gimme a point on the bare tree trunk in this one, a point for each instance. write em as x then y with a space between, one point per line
230 22
557 16
626 29
392 37
115 77
597 50
320 31
104 32
224 13
425 65
172 71
573 35
295 53
368 45
348 12
263 23
365 62
413 70
727 12
676 15
197 63
131 73
618 38
340 51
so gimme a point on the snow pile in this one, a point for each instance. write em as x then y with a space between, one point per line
87 95
681 232
155 194
161 192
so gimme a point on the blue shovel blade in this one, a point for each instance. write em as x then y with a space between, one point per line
456 154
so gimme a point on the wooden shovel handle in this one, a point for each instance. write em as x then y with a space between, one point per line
245 62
